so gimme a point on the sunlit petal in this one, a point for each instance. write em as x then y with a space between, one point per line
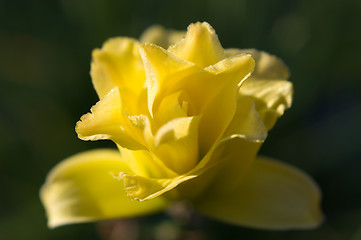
200 46
118 64
162 70
108 121
218 113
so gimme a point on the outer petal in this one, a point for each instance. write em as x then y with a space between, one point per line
82 188
161 37
200 46
267 86
272 195
272 97
267 66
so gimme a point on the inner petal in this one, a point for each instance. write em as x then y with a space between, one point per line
176 144
169 108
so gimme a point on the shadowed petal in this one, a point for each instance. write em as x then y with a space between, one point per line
82 188
272 195
162 37
217 164
267 86
176 143
267 66
271 97
246 121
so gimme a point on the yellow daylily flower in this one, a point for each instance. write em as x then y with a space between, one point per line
188 118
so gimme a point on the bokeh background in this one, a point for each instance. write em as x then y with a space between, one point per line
45 87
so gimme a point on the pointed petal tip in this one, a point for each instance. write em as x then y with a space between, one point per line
148 48
202 30
201 27
200 45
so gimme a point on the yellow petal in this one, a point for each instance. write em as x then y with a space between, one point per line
144 187
82 188
272 195
231 157
169 109
176 144
220 97
141 188
272 97
200 46
144 163
162 70
267 66
225 75
218 113
217 163
118 64
267 86
108 121
160 36
246 121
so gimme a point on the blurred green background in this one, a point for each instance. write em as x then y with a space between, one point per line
45 87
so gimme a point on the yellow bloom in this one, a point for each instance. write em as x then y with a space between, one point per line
188 122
